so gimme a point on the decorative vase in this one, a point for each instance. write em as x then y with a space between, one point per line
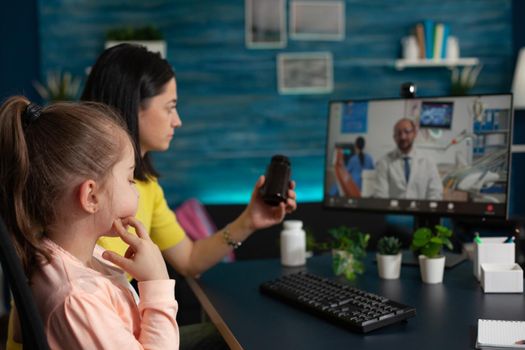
344 263
452 48
432 269
389 266
410 49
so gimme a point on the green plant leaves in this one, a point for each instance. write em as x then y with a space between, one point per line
436 240
431 250
462 80
58 86
443 231
348 249
421 237
448 243
388 245
430 243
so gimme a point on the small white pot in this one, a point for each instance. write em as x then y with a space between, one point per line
389 266
432 270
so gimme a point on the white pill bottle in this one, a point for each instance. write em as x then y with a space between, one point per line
293 243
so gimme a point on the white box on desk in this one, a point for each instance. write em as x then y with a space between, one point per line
493 250
501 278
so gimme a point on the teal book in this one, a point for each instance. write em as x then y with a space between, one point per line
446 31
428 25
438 40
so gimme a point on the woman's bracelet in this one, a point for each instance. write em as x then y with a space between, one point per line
229 240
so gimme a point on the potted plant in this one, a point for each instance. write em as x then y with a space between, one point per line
389 257
147 36
58 86
428 244
462 81
348 247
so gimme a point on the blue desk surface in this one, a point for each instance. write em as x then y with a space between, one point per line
446 317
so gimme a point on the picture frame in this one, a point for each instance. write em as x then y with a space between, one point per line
305 73
265 24
317 20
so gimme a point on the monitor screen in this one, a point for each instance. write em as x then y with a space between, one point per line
443 155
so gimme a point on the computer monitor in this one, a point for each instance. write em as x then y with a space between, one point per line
441 156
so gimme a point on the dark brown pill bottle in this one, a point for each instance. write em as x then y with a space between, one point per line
275 188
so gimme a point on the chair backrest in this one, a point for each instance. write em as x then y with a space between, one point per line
33 334
196 222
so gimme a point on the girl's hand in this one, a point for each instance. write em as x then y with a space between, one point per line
260 215
143 259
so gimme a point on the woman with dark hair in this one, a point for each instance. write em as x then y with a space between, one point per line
127 78
141 86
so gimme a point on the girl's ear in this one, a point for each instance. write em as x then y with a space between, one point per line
89 196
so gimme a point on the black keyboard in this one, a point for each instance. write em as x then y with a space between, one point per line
342 304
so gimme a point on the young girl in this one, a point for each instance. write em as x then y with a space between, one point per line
67 179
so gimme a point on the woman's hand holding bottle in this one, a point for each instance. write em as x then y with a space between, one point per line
260 215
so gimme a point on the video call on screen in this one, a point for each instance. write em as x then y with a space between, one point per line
458 162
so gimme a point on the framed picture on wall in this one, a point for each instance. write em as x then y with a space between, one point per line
317 20
265 24
305 73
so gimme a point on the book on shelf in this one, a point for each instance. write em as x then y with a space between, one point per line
438 40
420 38
431 38
446 32
428 25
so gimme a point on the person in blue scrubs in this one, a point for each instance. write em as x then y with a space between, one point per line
359 161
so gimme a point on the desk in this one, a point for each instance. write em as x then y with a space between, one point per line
446 317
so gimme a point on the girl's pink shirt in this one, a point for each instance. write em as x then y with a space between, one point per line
87 309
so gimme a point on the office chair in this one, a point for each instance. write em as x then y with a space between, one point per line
33 334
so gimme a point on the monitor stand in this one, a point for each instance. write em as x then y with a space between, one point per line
429 220
426 220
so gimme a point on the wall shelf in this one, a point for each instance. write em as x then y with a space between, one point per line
495 131
401 64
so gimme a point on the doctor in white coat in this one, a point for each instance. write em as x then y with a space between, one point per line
405 173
